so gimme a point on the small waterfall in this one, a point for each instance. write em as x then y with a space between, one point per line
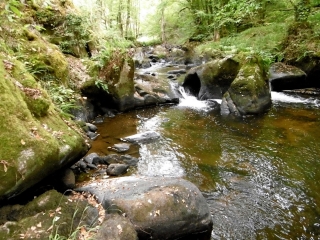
190 101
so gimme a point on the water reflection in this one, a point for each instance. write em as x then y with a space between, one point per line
259 175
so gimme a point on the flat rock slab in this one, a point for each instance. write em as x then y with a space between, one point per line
159 208
145 137
120 147
286 77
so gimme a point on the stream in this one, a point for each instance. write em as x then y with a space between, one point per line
260 175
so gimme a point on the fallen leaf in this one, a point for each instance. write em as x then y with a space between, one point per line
157 213
39 225
149 201
33 228
23 142
120 229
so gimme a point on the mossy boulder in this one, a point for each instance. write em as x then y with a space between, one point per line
50 214
114 87
44 59
159 208
250 91
211 80
35 139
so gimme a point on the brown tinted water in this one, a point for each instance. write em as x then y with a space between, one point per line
260 175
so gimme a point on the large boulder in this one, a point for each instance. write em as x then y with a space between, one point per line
240 81
154 90
114 87
35 140
211 80
159 208
250 90
286 77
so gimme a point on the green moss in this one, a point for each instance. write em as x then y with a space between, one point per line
58 217
31 148
250 90
38 106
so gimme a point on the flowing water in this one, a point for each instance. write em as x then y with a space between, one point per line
260 175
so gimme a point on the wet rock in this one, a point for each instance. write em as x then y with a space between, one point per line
142 137
67 179
129 160
211 80
111 158
150 100
92 135
172 76
117 169
109 113
116 227
178 71
250 90
89 158
153 90
159 208
92 166
121 147
92 128
286 77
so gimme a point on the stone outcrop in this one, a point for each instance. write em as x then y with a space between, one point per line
241 82
35 140
153 90
249 91
211 80
286 77
159 208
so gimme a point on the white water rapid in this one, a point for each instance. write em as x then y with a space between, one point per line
283 97
190 101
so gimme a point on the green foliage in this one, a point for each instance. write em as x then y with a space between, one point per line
264 40
101 85
12 10
63 97
73 33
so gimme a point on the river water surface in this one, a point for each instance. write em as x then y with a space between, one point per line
260 175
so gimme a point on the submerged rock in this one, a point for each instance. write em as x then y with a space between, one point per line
142 137
117 169
159 208
120 147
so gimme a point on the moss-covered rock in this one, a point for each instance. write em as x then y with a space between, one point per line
250 90
34 142
49 215
211 80
114 87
